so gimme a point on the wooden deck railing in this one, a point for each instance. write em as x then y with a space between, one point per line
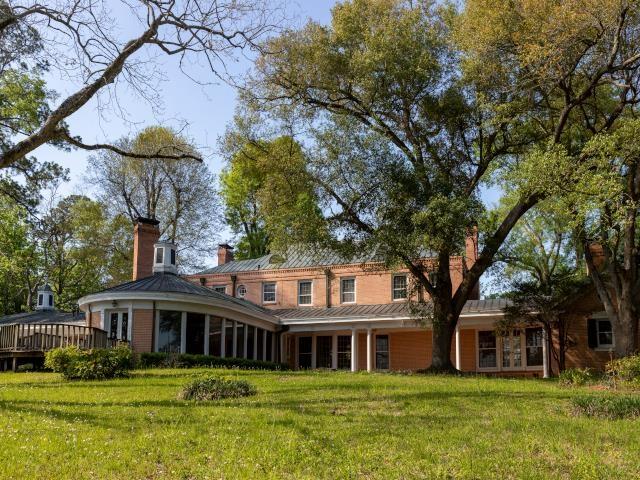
43 337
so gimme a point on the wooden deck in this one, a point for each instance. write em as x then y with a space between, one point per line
33 340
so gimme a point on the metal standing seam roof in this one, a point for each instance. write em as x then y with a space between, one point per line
44 316
168 282
295 258
389 310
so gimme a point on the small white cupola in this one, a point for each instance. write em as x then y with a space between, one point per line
164 258
45 298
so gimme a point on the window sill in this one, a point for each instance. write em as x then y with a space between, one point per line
604 349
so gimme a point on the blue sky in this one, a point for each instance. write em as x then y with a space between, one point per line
205 109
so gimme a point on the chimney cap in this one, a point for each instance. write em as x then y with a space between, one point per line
225 246
147 221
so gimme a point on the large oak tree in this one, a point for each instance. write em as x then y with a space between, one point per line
523 85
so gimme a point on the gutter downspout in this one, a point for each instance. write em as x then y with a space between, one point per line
327 274
234 279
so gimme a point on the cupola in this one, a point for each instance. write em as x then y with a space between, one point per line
45 298
164 258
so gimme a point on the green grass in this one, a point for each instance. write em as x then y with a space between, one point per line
306 425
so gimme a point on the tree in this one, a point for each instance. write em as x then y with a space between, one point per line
265 190
538 267
83 249
388 72
179 193
81 40
605 202
20 259
24 104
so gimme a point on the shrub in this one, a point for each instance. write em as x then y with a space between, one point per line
25 367
172 360
96 364
216 388
610 406
573 377
626 369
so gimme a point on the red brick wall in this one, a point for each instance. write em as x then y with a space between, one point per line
410 350
142 330
373 285
95 320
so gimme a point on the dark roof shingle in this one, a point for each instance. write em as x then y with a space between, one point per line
44 316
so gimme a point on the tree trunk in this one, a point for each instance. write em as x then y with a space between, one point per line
441 347
443 328
625 329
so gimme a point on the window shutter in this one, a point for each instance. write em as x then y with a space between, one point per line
592 333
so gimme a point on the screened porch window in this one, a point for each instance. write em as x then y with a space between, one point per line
169 331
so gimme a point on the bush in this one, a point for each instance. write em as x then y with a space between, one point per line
216 388
626 369
610 406
96 364
25 367
172 360
573 377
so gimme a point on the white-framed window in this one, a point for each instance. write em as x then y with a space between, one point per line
220 288
487 349
348 290
519 349
269 292
605 333
305 289
241 291
119 326
159 254
399 287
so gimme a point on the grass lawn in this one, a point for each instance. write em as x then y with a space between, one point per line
306 425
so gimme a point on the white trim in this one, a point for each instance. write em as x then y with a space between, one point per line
355 289
458 349
523 352
238 290
234 336
223 338
207 322
310 304
369 350
354 350
604 346
183 332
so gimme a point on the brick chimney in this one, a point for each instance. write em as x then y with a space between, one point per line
471 255
225 253
597 255
145 235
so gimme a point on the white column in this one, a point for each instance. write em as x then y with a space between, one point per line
458 349
264 345
369 350
156 328
354 350
283 356
245 331
183 333
223 337
255 343
334 352
313 351
130 323
206 334
545 355
234 347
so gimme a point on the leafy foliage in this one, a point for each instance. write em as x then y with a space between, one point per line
216 388
179 193
576 377
95 364
612 407
625 369
157 359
